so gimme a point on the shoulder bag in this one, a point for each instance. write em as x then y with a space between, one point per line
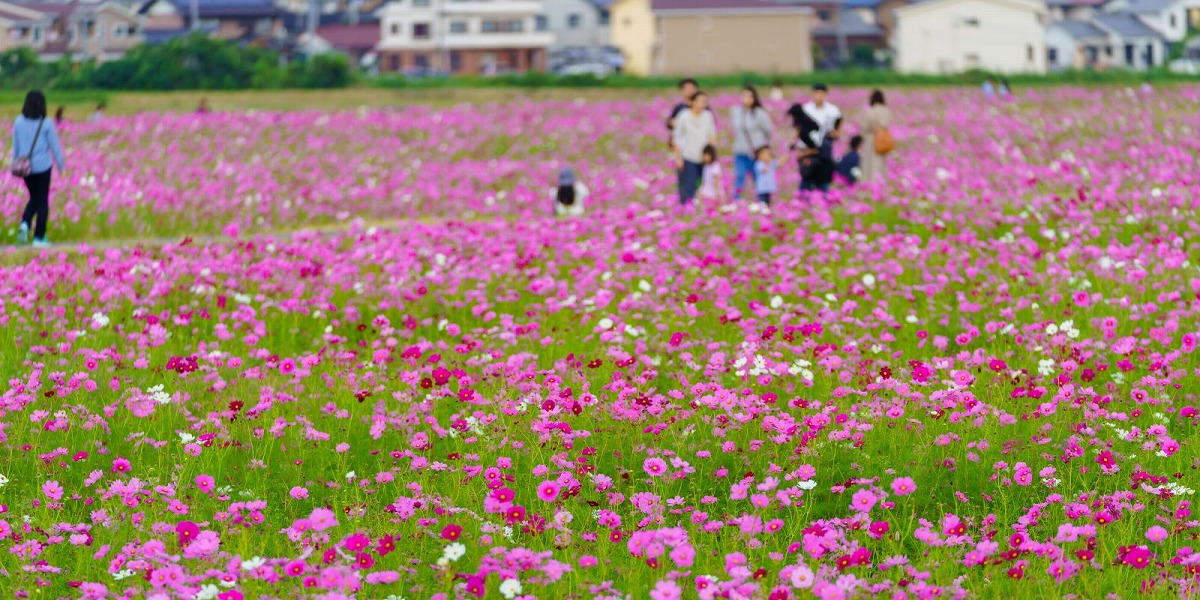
23 166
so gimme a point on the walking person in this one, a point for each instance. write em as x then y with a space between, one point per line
98 115
694 130
876 127
752 129
34 140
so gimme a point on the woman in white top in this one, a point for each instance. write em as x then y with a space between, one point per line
694 130
569 195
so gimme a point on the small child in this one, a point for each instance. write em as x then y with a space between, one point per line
712 184
765 184
850 167
569 195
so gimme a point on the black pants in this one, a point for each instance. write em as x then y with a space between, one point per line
38 185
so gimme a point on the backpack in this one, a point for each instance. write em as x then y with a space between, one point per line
884 142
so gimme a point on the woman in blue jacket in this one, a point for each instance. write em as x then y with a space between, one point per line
35 138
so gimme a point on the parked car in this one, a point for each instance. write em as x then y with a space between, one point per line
597 69
1185 66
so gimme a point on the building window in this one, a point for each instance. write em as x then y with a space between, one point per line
421 62
1052 55
395 62
1129 54
421 3
970 22
395 29
511 26
421 31
541 23
1174 21
1029 52
37 34
458 27
823 15
455 60
574 20
604 18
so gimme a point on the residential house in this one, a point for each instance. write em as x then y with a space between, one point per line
358 41
860 30
1134 44
1175 20
101 31
462 36
23 26
248 21
952 36
858 21
576 23
632 30
1075 44
725 37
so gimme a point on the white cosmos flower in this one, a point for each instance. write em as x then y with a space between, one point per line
454 551
509 588
254 563
605 323
807 484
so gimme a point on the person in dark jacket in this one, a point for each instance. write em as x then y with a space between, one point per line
850 166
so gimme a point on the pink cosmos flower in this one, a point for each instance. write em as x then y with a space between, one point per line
53 490
903 486
1156 533
655 467
863 501
206 483
548 491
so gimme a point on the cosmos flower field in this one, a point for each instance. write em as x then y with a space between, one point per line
368 363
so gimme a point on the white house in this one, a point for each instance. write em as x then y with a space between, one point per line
577 23
1075 44
1133 43
1174 19
462 36
951 36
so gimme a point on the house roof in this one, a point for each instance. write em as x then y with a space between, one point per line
363 36
1070 3
54 9
1037 6
1080 29
852 24
1126 25
701 6
1145 7
229 9
17 17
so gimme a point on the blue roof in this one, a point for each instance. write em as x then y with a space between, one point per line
861 3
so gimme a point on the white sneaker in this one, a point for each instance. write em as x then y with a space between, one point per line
23 233
40 243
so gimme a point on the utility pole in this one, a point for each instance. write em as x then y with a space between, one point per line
314 14
195 15
843 47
